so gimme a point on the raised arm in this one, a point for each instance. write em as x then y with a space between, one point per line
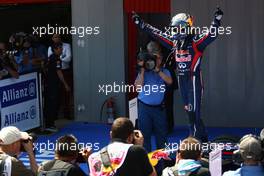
157 34
203 40
140 77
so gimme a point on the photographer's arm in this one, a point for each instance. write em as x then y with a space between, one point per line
140 78
165 76
167 79
29 149
86 153
12 72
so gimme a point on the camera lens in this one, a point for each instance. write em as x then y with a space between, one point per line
150 64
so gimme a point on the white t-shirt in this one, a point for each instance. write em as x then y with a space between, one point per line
65 56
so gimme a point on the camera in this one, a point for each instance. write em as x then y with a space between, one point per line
16 42
32 138
7 60
148 59
80 158
20 42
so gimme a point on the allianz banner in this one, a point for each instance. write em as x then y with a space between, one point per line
20 102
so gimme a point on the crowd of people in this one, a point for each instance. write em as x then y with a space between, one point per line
123 156
24 53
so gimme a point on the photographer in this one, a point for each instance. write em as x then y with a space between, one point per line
121 157
11 140
66 158
151 110
23 53
154 47
8 65
251 151
188 160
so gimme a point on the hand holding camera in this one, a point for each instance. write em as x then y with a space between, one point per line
86 152
157 69
83 155
138 138
140 64
146 60
27 146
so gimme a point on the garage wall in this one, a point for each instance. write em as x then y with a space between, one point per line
98 59
232 65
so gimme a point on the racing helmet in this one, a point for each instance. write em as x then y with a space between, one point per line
180 24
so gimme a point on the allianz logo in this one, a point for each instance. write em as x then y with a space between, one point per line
16 94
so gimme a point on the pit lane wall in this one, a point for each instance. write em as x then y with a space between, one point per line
20 105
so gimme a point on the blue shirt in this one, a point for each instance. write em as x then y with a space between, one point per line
246 171
19 59
154 87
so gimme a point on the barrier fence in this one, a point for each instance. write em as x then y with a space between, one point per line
21 101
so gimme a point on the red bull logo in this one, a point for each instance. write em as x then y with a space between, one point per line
160 155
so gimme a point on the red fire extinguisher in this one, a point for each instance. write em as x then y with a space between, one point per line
110 109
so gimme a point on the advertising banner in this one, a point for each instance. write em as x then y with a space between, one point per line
19 104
